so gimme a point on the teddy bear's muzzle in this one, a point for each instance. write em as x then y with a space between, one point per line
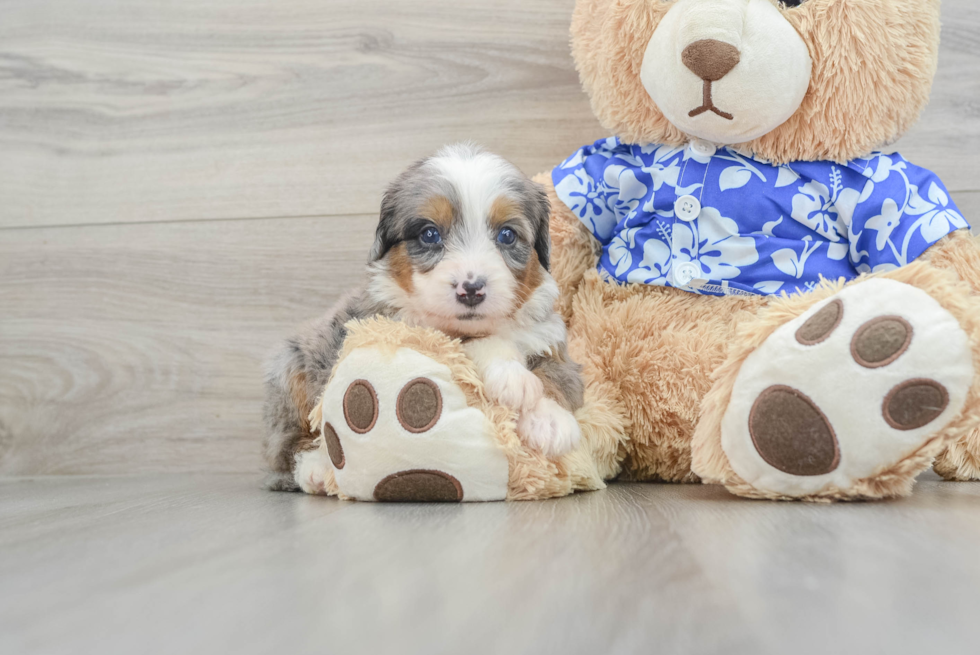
710 59
742 58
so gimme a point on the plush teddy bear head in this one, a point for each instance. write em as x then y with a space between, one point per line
789 80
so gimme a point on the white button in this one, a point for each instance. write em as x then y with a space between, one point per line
686 272
687 208
703 148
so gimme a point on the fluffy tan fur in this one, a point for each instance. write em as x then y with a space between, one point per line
890 46
664 361
943 285
960 253
532 476
660 364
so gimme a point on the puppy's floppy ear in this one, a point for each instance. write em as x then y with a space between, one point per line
397 198
386 236
537 208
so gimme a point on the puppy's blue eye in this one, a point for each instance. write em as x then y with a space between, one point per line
506 236
430 235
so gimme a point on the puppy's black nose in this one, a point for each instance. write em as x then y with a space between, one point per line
471 294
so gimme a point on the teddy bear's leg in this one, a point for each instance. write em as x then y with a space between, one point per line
841 394
649 353
960 252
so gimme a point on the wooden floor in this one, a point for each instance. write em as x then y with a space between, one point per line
212 564
180 184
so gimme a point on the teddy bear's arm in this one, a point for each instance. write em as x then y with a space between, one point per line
960 252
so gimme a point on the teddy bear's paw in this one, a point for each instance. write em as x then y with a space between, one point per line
549 428
510 384
396 427
850 388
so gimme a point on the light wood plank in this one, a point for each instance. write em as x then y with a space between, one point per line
117 111
947 137
211 564
114 111
139 347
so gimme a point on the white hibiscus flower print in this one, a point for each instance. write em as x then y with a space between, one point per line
816 207
735 177
714 242
587 200
936 220
880 268
628 191
940 220
621 250
793 263
663 167
786 176
883 166
655 265
885 223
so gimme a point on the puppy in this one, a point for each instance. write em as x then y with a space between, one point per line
462 246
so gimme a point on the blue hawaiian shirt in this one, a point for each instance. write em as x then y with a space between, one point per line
718 222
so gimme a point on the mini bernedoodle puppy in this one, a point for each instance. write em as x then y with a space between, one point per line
462 246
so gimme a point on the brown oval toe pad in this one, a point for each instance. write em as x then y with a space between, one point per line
334 449
914 404
360 406
419 405
881 341
821 325
791 433
418 486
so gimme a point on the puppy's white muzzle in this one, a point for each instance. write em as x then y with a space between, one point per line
726 71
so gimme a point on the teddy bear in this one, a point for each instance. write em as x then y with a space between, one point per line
759 296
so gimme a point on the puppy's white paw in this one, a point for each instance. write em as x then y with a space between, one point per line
311 470
512 385
550 428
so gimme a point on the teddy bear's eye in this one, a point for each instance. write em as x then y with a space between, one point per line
792 3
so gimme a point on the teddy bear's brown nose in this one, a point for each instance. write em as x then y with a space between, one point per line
710 59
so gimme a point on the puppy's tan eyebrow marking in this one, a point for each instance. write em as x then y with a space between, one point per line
502 210
400 268
528 280
439 210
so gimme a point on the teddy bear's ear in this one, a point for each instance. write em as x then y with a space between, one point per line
609 39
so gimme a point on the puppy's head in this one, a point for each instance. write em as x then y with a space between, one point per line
462 242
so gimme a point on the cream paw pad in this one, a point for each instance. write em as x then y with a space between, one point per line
850 387
405 417
397 428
